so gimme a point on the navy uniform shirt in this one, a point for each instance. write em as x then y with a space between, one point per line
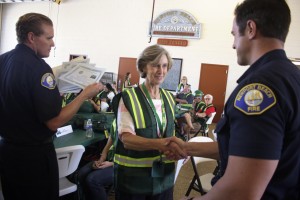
28 96
262 120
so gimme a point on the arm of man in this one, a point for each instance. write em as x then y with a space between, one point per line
71 109
245 178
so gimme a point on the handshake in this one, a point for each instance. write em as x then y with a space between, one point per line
174 148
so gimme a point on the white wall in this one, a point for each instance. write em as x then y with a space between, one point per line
106 30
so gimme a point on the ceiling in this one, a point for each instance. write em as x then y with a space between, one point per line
17 1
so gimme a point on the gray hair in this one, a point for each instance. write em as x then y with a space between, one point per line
152 55
209 96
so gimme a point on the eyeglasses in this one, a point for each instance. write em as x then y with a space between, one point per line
206 98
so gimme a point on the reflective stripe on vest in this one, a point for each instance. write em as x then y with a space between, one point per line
170 100
138 162
137 109
99 94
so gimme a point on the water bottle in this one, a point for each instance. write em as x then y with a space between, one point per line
89 129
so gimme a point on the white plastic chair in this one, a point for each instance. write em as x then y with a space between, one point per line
68 159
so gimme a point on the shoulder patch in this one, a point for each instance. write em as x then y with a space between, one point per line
254 99
48 81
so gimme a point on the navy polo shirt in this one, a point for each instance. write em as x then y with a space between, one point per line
189 97
28 96
262 120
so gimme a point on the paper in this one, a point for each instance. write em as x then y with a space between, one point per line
83 75
64 130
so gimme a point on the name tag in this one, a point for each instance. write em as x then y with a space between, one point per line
64 130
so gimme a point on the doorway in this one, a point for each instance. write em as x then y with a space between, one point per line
127 65
213 80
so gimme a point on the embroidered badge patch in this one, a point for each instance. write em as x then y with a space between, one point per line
48 81
254 99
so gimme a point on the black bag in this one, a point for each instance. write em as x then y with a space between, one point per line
99 123
99 126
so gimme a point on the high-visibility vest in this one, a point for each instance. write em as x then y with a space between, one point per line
201 120
179 87
99 95
111 152
133 168
124 86
200 106
67 98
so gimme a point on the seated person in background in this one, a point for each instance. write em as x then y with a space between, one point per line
198 104
114 86
100 105
104 105
110 95
68 97
187 118
96 176
209 107
126 82
186 96
201 116
102 92
96 100
181 85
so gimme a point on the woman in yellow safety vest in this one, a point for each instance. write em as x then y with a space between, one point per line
145 123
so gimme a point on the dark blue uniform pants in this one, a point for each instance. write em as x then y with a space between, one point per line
28 172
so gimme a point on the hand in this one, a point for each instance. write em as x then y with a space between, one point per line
91 90
174 148
101 165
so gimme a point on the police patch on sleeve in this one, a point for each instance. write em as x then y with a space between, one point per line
48 81
254 99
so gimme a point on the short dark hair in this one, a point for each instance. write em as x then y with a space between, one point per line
109 87
272 17
31 22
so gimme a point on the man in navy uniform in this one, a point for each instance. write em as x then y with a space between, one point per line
30 113
259 133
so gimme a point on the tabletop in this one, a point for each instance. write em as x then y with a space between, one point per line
76 138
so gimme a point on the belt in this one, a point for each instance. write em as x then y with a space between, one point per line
29 143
